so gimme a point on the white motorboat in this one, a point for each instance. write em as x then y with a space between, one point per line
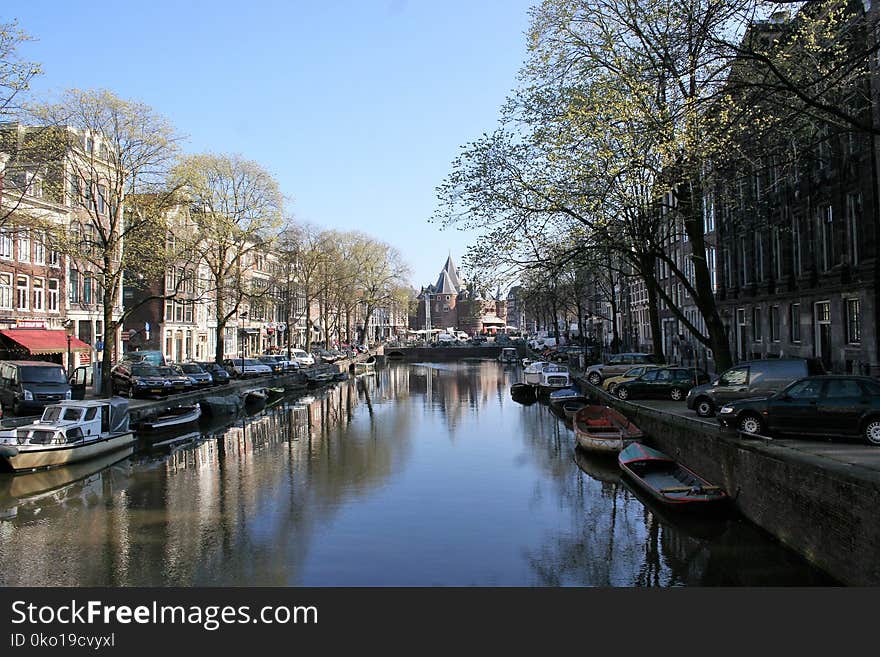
532 373
554 376
67 432
171 418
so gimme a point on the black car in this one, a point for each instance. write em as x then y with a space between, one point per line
664 382
847 406
196 374
217 372
136 379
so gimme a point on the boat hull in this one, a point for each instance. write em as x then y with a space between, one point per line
54 456
667 481
604 444
170 422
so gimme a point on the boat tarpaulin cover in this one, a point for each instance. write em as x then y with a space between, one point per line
118 415
45 341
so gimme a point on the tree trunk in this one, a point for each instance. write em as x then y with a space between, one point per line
308 322
615 334
109 353
647 266
705 297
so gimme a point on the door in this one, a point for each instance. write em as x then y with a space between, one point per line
797 411
78 382
841 407
822 314
642 386
661 385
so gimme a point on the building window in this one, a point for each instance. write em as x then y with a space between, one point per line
188 312
853 321
776 253
796 246
52 300
759 256
39 252
743 261
5 245
713 267
178 311
22 289
794 326
24 247
774 323
756 324
54 258
73 287
169 310
87 289
826 238
102 196
38 294
853 219
6 291
728 269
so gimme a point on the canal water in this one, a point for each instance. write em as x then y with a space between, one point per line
421 474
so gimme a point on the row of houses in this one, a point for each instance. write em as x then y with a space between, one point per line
51 304
791 248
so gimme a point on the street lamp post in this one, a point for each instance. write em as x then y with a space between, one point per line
68 327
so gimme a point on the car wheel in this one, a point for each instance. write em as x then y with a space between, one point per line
872 432
594 378
677 394
751 424
622 393
705 407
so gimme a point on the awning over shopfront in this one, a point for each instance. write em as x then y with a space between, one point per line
492 320
249 331
44 341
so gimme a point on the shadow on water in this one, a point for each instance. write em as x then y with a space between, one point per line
417 475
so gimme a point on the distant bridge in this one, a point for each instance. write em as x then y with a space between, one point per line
445 354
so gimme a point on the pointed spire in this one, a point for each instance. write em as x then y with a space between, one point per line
450 269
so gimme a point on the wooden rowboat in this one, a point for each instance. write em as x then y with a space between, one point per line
603 429
665 480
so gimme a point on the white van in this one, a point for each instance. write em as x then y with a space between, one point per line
446 338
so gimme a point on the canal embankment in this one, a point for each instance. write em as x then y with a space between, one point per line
821 507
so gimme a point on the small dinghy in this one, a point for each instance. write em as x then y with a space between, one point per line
254 396
567 395
665 480
171 418
603 429
570 408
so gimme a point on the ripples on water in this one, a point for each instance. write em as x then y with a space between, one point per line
422 474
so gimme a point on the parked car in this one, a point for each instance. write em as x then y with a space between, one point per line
147 356
301 357
617 365
218 373
27 386
245 368
825 405
137 379
611 383
195 373
663 382
276 366
755 378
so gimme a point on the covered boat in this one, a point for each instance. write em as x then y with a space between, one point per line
603 429
67 432
171 418
566 395
532 372
665 480
508 355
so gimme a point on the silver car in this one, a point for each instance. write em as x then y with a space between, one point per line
616 365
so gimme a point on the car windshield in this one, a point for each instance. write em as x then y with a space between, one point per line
165 371
191 368
251 361
145 370
40 374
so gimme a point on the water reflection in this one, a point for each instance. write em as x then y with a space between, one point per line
420 474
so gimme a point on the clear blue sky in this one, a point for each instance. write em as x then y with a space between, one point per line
357 107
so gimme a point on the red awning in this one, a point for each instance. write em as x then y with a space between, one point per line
44 341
